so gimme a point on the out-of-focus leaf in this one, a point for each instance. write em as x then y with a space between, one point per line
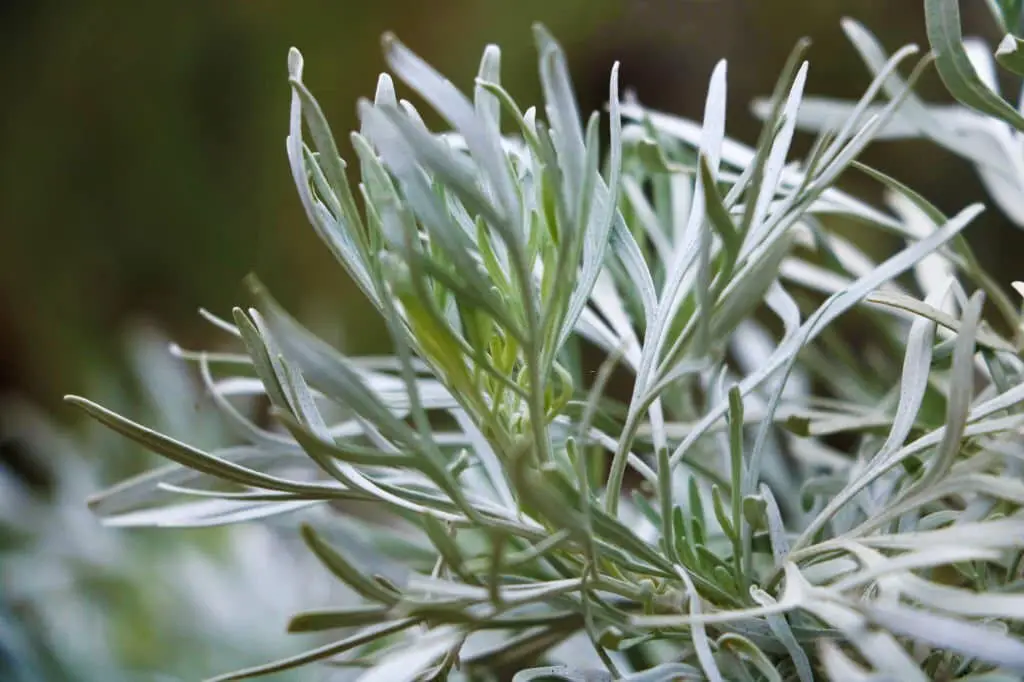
944 33
1009 54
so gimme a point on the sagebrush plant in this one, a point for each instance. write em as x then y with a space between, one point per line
779 496
79 603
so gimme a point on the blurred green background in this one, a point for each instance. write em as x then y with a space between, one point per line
142 167
143 174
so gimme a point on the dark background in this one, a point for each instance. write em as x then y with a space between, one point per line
142 166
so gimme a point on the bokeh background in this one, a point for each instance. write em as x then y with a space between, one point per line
142 166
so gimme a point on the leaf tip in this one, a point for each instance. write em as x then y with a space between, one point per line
1007 46
849 24
492 56
294 64
761 108
255 286
308 534
545 39
389 43
296 625
385 93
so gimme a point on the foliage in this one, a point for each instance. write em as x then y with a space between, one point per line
79 603
778 496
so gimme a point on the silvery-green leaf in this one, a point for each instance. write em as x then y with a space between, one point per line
924 558
404 147
960 396
340 566
325 652
914 381
197 459
784 633
745 292
841 668
317 621
826 113
926 210
562 672
493 467
335 235
944 33
562 110
874 56
1009 54
208 513
673 671
746 650
263 361
960 602
408 663
627 252
878 647
597 236
1008 13
485 145
739 155
932 312
488 108
969 639
329 369
996 534
776 161
700 637
144 488
834 307
243 426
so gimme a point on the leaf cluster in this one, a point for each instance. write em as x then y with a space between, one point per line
768 501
